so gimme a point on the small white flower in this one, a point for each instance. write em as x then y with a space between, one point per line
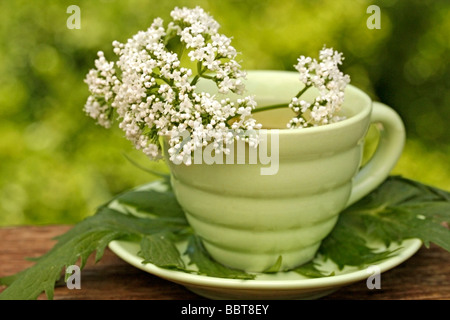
155 96
330 82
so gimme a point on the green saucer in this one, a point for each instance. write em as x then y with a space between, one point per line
282 285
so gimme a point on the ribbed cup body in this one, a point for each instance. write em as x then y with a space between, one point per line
247 220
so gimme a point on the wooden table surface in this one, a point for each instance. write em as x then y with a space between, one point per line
426 275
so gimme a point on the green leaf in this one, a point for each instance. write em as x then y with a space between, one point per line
207 266
162 204
92 234
43 275
6 281
399 209
160 251
420 215
275 267
165 183
344 246
310 270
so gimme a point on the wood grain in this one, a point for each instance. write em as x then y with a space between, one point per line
425 276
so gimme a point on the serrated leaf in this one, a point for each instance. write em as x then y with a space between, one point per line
275 267
92 234
420 214
43 275
163 204
160 250
310 270
6 281
346 247
207 266
399 209
165 183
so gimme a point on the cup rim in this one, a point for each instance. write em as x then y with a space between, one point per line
336 125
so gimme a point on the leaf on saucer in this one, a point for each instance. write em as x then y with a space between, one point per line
159 250
346 247
275 267
162 204
207 266
310 270
399 209
404 209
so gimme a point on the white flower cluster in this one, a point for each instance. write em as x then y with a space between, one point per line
213 51
154 96
330 82
100 81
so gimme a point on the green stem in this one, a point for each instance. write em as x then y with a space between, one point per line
199 73
157 76
271 107
282 105
207 77
266 108
195 80
303 91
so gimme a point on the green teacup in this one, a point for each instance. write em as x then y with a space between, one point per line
247 220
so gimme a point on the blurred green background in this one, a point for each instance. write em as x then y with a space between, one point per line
57 166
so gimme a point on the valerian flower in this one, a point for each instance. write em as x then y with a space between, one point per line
155 96
151 95
330 83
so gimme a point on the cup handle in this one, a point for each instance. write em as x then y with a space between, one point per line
389 149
